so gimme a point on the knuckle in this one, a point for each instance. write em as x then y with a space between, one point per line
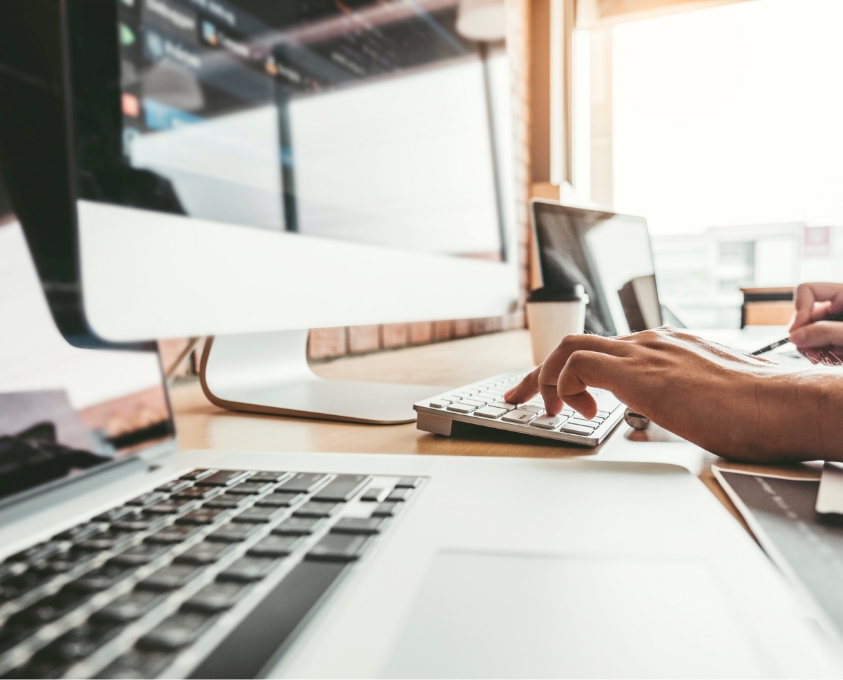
650 337
577 359
566 343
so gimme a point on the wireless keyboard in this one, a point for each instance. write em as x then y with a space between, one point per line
482 404
206 575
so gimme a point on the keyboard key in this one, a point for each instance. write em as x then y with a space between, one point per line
173 534
11 569
271 623
476 403
201 516
105 541
71 647
141 524
490 396
504 405
462 408
274 546
439 403
408 483
36 552
172 506
174 486
548 422
360 525
50 608
265 476
249 488
197 492
302 482
531 407
280 500
233 532
138 664
224 478
197 474
576 429
142 553
226 502
261 514
399 495
298 526
520 416
60 566
249 569
204 553
177 631
16 586
171 577
387 509
489 412
102 578
318 509
339 548
603 414
583 423
130 607
117 513
81 531
147 499
374 495
217 596
342 488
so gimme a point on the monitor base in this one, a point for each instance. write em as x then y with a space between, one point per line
269 373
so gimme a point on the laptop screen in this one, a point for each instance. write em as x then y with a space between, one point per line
64 410
609 255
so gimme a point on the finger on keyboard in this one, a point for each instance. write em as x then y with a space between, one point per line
525 390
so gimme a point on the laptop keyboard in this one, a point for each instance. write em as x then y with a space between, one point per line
186 577
482 403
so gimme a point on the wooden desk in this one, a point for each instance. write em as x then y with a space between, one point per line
201 425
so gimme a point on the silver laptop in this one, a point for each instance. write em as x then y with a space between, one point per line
123 557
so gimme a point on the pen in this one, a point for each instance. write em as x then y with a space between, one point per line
784 341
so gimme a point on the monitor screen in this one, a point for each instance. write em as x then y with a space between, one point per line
371 121
609 255
64 410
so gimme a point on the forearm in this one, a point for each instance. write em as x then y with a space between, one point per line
793 417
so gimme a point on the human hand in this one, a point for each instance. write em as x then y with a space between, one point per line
814 334
725 401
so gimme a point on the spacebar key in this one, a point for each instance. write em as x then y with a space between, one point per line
254 642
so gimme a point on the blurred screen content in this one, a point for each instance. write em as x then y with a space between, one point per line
372 122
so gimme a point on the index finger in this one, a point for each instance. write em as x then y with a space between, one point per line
526 389
553 365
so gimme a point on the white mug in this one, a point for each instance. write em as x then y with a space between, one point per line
551 315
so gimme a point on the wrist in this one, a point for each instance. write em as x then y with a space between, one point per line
802 416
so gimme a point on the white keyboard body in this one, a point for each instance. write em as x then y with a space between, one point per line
482 404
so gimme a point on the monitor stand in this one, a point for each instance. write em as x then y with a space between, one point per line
269 373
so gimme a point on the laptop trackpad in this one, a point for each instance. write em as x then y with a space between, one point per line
504 615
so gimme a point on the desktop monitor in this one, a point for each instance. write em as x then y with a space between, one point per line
229 167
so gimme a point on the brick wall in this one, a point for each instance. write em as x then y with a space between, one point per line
329 343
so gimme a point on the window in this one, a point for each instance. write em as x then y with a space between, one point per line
726 133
